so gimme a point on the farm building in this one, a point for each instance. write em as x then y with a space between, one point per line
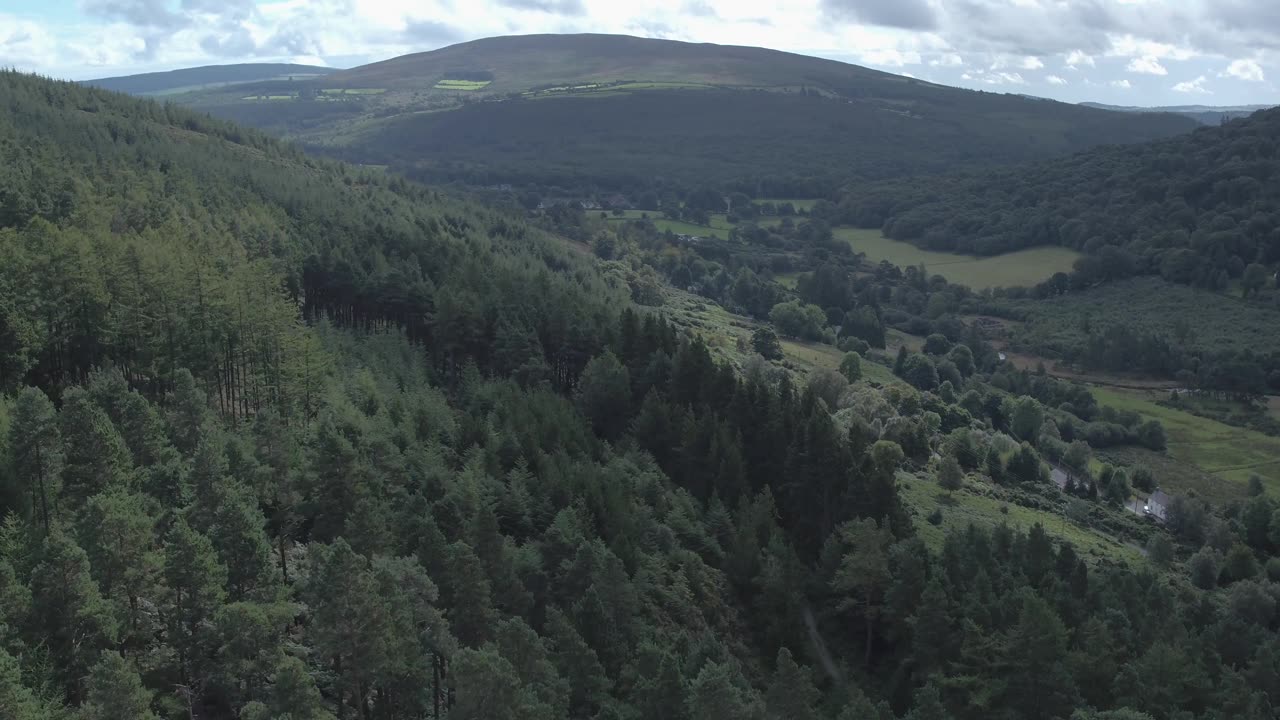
1157 505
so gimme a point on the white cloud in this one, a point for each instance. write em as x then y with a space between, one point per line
1121 84
1147 65
1132 46
1077 58
1193 86
1055 80
1031 63
1004 78
890 57
1245 70
947 60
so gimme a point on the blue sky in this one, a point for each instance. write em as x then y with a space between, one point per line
1136 52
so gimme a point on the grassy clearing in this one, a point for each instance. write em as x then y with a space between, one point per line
466 85
270 97
1227 455
982 504
797 203
1018 269
353 91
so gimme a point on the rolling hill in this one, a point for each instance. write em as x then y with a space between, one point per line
1197 209
620 112
209 76
1203 114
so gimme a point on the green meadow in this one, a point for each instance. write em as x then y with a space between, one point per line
1017 269
1225 455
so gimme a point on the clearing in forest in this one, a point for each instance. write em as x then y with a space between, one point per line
1023 268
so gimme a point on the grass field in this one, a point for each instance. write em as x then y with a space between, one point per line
1018 269
1227 455
462 84
797 203
353 91
982 504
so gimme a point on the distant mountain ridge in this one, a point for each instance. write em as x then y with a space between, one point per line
622 113
196 78
1203 114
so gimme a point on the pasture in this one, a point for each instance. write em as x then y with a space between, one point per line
464 85
985 505
1023 268
1227 455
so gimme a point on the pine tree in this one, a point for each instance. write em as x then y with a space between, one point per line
119 533
195 582
578 664
791 694
931 630
17 702
719 692
293 692
950 476
68 611
115 692
466 592
35 446
1039 685
96 456
350 622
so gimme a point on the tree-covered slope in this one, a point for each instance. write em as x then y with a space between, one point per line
284 439
1199 209
623 112
197 78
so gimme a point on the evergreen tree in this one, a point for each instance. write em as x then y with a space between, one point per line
68 611
950 476
1039 684
35 447
791 693
604 395
115 692
195 582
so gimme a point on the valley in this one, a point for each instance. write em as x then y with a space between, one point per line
610 378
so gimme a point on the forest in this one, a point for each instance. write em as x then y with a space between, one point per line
282 438
1200 209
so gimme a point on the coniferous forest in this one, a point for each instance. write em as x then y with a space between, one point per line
284 438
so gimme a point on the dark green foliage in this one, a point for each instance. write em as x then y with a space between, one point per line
1202 220
439 504
765 341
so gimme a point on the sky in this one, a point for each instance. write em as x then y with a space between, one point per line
1127 52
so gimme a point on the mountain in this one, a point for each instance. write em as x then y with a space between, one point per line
1202 208
1203 114
622 113
209 76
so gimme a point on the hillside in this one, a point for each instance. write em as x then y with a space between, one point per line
209 76
1199 209
621 112
1203 114
284 438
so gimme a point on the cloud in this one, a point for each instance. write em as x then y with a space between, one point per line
553 7
700 9
889 57
1031 63
1195 87
1121 84
1076 58
1004 78
1055 80
430 32
907 14
1245 70
1146 65
140 13
947 60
